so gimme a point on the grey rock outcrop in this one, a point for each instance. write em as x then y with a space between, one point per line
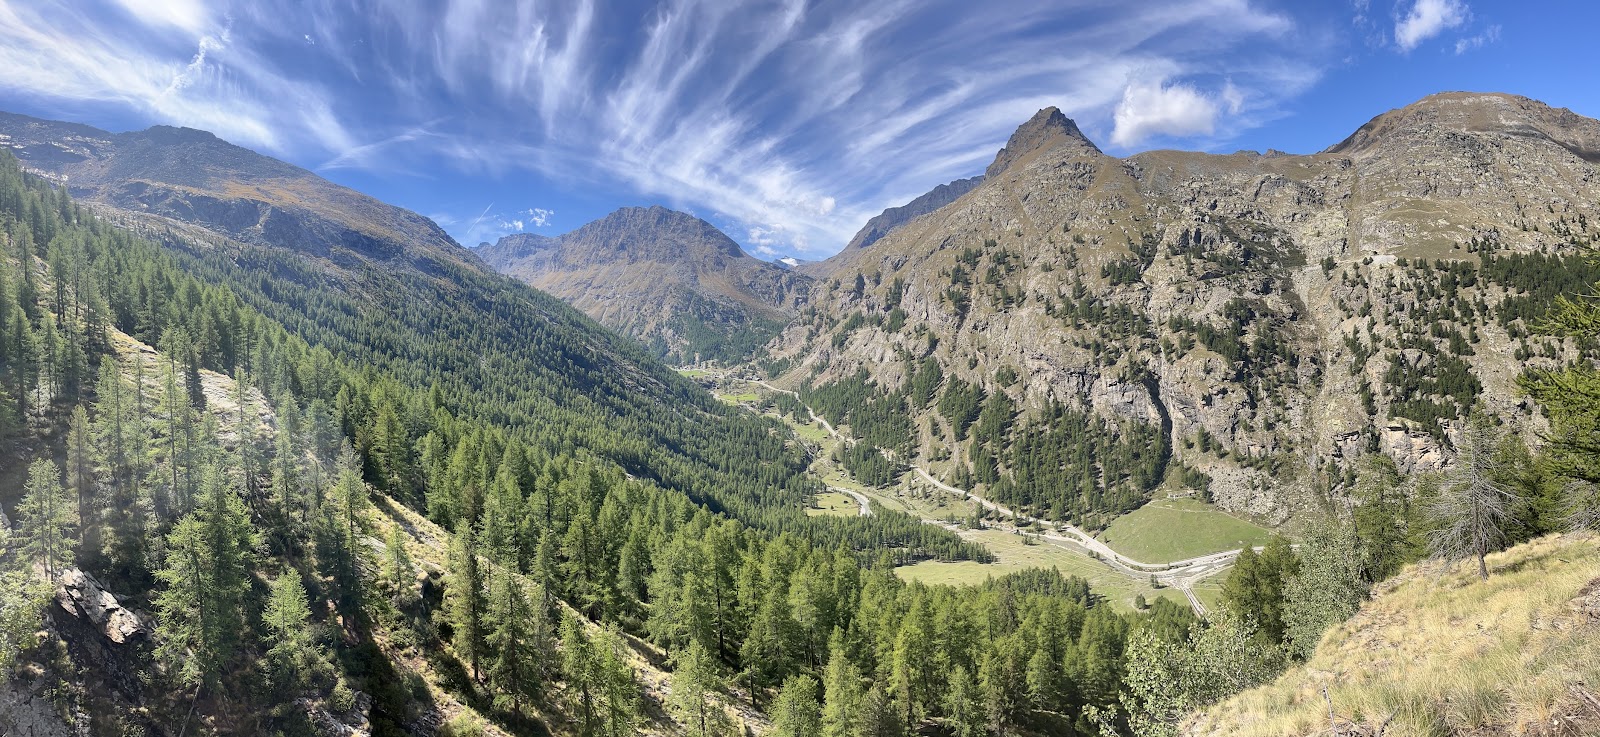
1293 310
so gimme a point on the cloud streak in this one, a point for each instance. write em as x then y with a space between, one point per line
793 121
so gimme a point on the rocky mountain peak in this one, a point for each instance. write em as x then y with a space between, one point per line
1475 113
1047 129
656 232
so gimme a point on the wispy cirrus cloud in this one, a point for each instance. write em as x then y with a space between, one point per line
795 119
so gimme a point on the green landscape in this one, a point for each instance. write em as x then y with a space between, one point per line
467 369
1174 529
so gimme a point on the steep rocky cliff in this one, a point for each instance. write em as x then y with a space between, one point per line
668 279
1277 315
894 217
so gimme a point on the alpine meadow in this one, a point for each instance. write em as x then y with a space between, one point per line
801 369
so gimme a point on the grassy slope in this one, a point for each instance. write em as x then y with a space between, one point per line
835 504
1175 529
1439 652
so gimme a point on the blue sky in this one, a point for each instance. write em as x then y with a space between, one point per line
787 123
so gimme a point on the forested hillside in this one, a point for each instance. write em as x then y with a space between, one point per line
241 496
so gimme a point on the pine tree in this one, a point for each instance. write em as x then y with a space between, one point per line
45 519
464 602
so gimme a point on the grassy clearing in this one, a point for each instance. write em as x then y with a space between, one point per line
693 373
1015 554
811 432
834 504
1175 529
1443 653
738 397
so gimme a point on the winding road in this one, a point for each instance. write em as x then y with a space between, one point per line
1179 574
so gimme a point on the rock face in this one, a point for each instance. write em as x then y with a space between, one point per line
80 595
1290 312
894 217
668 279
27 711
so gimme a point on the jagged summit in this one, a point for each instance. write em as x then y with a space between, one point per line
895 217
1047 129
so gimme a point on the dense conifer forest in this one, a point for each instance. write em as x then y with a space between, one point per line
521 519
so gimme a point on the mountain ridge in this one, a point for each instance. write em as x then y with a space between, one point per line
668 279
1289 311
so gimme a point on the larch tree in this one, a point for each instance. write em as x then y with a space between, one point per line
694 680
843 695
512 659
464 600
796 713
45 519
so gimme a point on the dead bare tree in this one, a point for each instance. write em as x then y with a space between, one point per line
1473 508
1582 506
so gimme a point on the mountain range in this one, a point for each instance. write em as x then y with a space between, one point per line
322 382
1270 316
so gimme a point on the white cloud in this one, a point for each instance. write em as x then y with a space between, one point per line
1428 18
1159 109
1490 35
539 217
188 15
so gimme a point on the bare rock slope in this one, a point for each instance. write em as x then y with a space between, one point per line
1274 316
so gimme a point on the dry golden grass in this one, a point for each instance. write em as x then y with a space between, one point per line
1439 652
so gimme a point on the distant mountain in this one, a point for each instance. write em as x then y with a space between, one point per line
791 262
1252 323
668 279
384 288
895 217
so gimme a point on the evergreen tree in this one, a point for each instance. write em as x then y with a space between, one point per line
45 519
464 604
512 667
796 713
